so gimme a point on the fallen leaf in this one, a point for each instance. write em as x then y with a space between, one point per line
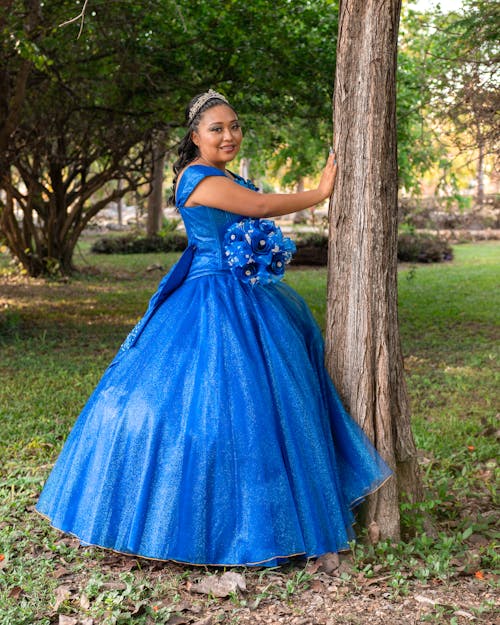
15 592
67 620
84 601
62 594
221 586
185 606
479 540
60 572
208 620
141 606
87 621
423 599
479 575
468 615
178 620
317 586
114 586
180 607
377 580
329 563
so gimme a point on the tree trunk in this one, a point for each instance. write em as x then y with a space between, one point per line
119 204
245 168
41 227
155 200
480 169
363 350
301 216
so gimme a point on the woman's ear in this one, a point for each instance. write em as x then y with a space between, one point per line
194 138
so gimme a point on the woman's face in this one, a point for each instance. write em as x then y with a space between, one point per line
218 136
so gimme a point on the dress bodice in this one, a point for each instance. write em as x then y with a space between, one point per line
205 226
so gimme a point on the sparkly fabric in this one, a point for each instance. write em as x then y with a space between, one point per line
215 436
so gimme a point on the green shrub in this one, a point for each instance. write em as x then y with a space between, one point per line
169 225
423 248
170 241
312 249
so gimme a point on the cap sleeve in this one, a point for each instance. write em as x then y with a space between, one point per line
191 178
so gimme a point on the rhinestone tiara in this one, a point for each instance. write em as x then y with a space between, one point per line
203 99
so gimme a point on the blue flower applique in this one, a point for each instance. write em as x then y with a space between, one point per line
256 251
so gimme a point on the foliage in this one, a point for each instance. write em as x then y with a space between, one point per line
133 244
448 93
413 246
466 51
423 248
57 338
418 149
80 113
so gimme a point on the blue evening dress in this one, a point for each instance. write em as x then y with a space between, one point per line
215 436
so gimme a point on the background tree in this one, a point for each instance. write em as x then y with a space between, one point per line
465 52
418 146
81 112
363 345
155 199
448 96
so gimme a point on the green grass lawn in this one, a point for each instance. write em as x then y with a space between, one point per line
56 339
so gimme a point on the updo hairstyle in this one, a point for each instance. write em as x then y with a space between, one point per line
187 150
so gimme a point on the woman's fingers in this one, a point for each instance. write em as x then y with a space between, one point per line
329 174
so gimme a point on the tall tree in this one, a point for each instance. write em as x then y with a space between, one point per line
77 114
466 53
155 199
363 344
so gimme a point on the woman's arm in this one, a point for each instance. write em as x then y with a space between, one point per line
220 192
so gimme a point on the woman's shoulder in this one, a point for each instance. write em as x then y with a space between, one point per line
190 177
197 170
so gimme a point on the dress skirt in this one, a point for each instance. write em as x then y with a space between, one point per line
217 437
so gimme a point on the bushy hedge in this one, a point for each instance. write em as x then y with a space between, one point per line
312 249
423 247
133 244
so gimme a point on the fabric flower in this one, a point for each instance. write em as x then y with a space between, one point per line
256 251
247 273
278 264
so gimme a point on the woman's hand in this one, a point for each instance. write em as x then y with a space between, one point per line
327 181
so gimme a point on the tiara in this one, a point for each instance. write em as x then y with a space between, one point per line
203 99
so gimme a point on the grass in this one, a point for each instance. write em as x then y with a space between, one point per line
56 338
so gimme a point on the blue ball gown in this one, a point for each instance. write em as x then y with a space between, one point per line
215 436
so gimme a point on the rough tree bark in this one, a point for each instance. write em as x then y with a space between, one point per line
155 199
363 351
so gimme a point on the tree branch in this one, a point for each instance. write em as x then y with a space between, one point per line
75 19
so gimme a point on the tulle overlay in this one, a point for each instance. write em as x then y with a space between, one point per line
216 435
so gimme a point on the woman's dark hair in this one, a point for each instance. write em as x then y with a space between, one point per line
187 150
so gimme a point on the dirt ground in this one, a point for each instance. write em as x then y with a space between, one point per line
282 596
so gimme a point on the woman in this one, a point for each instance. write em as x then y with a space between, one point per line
216 436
